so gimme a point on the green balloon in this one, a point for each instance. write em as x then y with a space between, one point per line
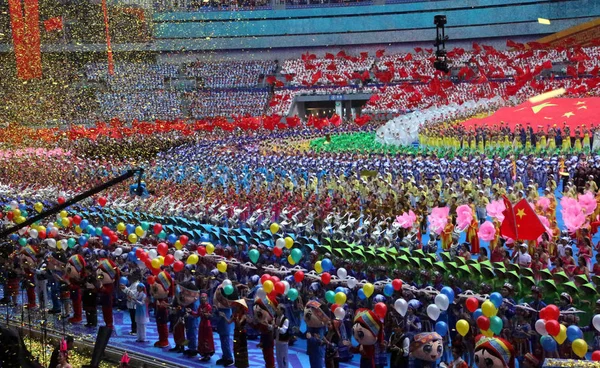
228 290
496 324
330 296
22 242
253 254
71 242
145 225
292 294
296 255
162 235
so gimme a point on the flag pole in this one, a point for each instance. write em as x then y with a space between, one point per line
111 66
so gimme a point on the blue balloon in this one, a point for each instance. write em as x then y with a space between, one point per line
105 240
361 294
131 257
548 343
123 281
379 298
84 224
22 207
441 328
478 313
82 240
130 229
91 229
340 289
326 264
14 237
497 299
446 290
388 290
574 333
172 238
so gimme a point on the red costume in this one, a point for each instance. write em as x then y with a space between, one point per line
206 343
75 273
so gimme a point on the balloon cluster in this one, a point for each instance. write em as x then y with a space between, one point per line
554 333
485 317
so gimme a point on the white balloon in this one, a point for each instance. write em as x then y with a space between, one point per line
401 306
118 251
339 313
33 233
261 293
226 282
433 312
280 243
287 287
152 254
22 231
143 235
596 322
342 273
178 255
442 301
540 327
352 282
51 243
14 205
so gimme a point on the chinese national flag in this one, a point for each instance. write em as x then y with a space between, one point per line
521 222
53 24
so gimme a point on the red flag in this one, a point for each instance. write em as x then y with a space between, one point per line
379 53
509 224
329 56
53 24
364 56
331 67
529 226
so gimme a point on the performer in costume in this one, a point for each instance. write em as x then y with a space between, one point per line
28 259
264 314
425 350
206 343
368 332
161 290
107 273
75 272
187 299
494 352
315 318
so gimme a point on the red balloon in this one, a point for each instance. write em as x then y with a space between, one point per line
472 304
61 200
325 278
144 257
150 280
113 238
596 356
483 323
183 239
264 278
157 229
299 276
169 259
553 327
177 266
102 201
277 252
162 249
397 284
77 219
10 216
138 253
201 251
334 306
279 287
155 271
42 234
275 279
552 312
105 230
380 310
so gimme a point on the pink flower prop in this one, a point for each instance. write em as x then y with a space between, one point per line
543 203
438 219
464 216
572 213
406 220
494 209
487 231
588 203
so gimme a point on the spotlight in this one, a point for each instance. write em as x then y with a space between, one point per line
439 20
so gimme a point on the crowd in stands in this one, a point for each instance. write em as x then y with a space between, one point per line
143 105
132 76
228 74
299 70
226 103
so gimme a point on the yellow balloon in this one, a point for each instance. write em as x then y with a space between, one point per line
489 309
38 207
121 227
210 248
462 326
178 245
580 347
17 212
368 289
318 267
78 230
289 242
65 222
274 228
161 260
291 260
19 220
192 259
488 333
222 267
268 286
340 298
155 263
63 214
562 335
139 231
132 238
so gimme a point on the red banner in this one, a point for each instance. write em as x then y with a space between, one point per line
24 18
53 24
